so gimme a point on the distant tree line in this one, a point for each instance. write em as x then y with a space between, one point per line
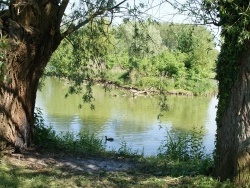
140 54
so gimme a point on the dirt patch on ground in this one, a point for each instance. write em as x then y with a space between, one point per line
35 160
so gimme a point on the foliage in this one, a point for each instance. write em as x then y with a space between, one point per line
186 147
82 57
82 53
142 54
180 155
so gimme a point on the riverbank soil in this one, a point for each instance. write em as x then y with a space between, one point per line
35 160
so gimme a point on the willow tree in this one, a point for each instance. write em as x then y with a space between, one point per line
33 29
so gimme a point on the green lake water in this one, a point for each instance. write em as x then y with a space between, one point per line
126 119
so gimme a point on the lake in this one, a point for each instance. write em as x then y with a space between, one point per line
126 119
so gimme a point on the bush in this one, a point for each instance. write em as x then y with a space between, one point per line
180 155
183 147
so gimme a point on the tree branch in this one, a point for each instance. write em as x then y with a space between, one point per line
63 7
194 7
73 27
4 2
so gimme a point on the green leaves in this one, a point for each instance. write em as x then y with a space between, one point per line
184 147
143 54
83 57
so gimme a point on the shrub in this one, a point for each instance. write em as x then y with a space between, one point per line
183 147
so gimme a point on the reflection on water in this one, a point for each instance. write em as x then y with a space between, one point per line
133 120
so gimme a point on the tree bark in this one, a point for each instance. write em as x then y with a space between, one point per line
33 34
233 127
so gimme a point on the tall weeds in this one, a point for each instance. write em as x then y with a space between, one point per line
186 150
81 144
183 147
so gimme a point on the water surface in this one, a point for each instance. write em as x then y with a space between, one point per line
127 119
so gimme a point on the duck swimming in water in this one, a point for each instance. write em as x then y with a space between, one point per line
109 139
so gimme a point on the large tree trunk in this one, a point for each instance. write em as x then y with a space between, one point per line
32 30
17 108
233 132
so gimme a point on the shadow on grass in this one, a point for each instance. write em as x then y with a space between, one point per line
35 170
16 176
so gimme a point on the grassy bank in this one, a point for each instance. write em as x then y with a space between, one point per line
181 162
16 176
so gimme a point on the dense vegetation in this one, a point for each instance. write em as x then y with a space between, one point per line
142 55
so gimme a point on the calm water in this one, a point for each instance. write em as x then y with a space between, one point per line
133 120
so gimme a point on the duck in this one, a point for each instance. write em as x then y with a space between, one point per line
109 139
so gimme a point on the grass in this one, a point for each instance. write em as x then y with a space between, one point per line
181 163
12 176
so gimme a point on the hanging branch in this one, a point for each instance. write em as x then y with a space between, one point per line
100 11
